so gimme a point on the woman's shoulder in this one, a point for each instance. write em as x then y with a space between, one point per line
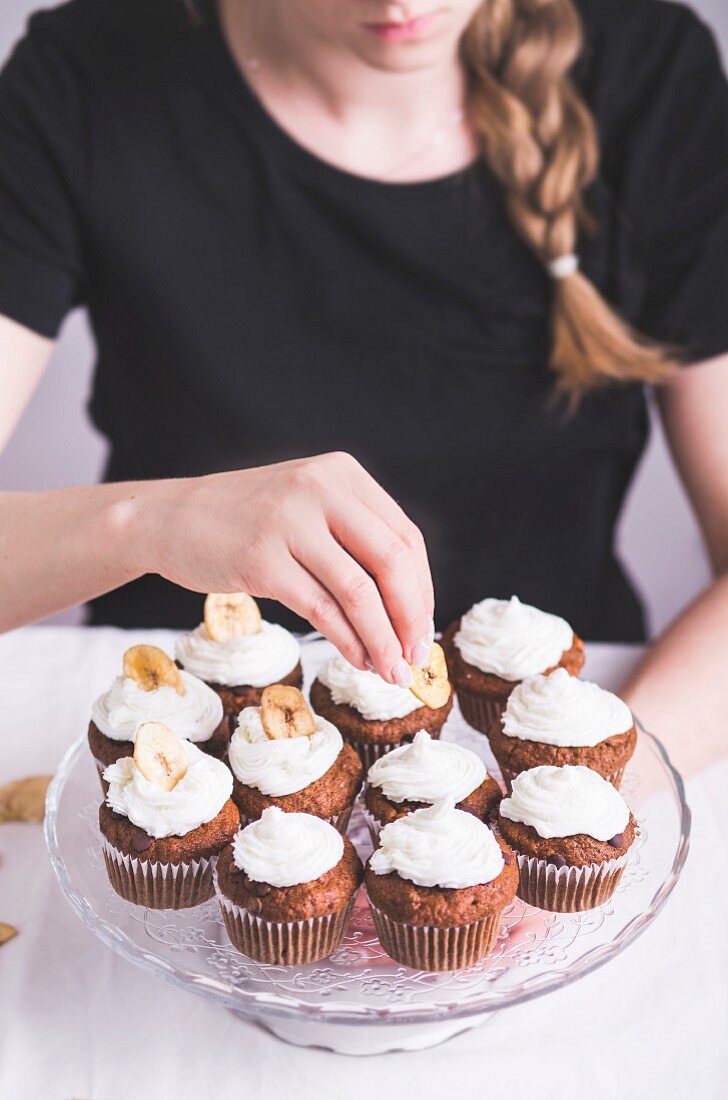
660 19
85 18
631 34
109 35
636 49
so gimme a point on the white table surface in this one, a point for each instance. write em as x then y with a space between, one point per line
76 1020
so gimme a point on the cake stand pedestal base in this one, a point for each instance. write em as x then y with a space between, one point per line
362 1039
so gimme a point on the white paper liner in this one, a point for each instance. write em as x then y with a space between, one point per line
339 821
427 947
289 943
100 768
158 885
568 889
373 825
478 712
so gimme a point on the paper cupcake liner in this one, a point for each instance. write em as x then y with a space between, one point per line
290 943
339 821
427 947
369 751
373 825
615 778
568 889
158 885
478 712
100 768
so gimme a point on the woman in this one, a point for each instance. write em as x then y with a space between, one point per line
353 228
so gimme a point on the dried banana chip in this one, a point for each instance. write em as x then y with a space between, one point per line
24 799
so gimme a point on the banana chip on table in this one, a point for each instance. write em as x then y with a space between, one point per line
6 932
24 799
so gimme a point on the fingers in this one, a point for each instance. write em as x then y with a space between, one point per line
392 563
306 596
358 596
383 505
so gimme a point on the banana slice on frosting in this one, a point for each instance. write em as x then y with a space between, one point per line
159 755
151 668
285 713
231 615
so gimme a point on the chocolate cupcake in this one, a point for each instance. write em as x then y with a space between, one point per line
152 688
167 814
437 885
495 645
559 719
371 714
283 755
571 831
425 772
286 886
238 654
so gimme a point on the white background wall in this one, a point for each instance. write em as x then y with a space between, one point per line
55 444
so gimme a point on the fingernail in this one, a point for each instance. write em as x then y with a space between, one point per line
402 673
369 665
421 651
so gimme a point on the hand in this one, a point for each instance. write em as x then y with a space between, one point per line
318 534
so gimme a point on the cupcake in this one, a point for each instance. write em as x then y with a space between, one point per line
437 886
286 886
375 716
238 654
571 831
152 688
425 772
167 814
283 755
558 719
496 645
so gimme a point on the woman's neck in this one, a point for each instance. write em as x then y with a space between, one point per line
366 120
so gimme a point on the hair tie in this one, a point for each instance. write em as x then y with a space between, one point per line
563 266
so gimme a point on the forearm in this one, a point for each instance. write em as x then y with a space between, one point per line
680 688
60 548
318 534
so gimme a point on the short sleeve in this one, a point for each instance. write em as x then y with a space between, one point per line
673 191
41 254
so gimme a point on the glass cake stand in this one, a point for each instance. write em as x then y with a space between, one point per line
359 1001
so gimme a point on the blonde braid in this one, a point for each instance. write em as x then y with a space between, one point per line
540 140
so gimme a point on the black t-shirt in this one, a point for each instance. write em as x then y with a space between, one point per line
252 303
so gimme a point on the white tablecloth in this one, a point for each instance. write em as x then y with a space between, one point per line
76 1020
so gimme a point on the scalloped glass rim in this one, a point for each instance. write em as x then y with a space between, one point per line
274 1004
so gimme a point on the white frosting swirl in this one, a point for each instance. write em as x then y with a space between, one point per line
512 639
255 660
373 697
439 846
427 771
198 797
194 716
566 801
287 849
562 710
284 766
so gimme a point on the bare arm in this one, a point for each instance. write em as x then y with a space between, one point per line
318 534
681 687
